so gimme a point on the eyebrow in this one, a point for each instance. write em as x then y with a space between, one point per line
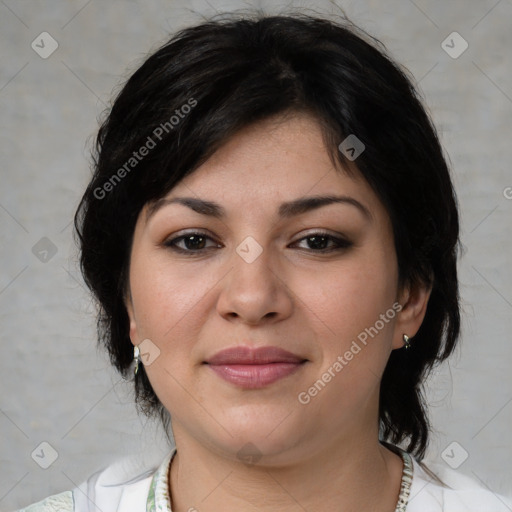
286 210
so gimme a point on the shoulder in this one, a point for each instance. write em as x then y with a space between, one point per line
440 489
122 486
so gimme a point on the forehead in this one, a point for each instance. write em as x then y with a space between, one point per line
266 167
277 157
278 148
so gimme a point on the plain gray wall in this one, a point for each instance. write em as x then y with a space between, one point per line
56 387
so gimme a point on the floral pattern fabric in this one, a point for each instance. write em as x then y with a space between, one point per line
159 499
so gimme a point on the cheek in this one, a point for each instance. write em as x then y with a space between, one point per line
355 339
170 305
355 306
351 297
167 298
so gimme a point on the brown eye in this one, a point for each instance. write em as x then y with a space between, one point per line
319 242
191 242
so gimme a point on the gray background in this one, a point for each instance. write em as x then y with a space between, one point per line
57 388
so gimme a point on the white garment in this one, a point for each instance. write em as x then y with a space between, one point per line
117 489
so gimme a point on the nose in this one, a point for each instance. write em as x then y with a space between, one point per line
255 291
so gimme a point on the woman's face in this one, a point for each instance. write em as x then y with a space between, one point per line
254 266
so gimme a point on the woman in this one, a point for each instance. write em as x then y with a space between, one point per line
271 232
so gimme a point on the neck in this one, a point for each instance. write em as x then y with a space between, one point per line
359 474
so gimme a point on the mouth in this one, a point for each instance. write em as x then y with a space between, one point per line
254 368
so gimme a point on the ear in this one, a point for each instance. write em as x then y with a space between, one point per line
414 301
131 315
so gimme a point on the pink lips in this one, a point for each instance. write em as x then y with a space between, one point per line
254 367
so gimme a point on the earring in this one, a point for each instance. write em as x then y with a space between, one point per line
136 354
407 344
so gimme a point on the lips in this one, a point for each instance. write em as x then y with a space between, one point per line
248 355
253 368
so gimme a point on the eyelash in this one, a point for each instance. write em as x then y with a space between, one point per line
340 243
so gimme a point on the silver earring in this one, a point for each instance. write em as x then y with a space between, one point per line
136 354
407 343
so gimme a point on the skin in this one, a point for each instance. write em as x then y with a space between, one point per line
323 455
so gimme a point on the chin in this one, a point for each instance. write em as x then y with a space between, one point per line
257 437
